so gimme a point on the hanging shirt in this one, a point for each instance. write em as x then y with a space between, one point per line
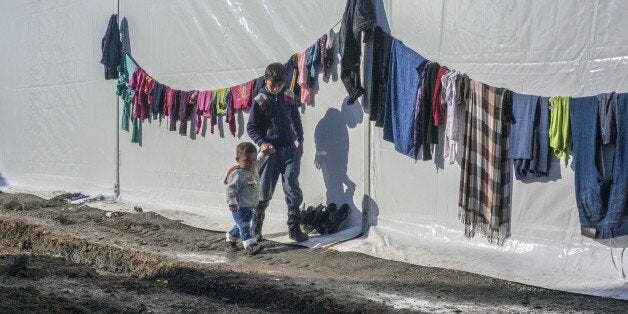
221 101
203 105
111 49
307 93
242 95
327 59
529 136
559 127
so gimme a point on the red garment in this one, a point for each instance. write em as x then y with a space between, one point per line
139 95
231 114
437 107
242 95
168 102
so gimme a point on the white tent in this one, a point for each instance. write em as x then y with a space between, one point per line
60 120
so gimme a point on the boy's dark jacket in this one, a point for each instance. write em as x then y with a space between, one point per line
275 119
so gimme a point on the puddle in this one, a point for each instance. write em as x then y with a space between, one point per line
422 303
202 258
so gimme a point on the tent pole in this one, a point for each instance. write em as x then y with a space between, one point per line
116 188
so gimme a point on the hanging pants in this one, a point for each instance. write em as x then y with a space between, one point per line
601 170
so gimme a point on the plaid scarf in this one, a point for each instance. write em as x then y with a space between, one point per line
485 181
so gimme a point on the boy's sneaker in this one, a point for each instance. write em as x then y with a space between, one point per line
231 246
253 249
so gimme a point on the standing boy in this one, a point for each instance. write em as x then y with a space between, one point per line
275 125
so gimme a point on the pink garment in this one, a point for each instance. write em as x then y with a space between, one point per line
307 93
203 109
136 84
242 95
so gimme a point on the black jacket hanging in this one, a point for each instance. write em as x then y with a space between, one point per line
359 16
110 46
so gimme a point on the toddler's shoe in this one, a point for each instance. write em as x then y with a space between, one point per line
253 249
231 246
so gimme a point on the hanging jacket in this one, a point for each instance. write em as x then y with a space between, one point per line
111 53
359 16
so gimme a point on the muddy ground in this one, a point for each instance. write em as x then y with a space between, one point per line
72 258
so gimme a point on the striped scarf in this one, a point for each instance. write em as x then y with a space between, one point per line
485 181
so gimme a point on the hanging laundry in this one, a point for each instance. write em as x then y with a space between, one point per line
125 39
137 84
327 56
230 118
259 85
322 51
307 93
157 94
358 16
168 101
148 87
242 95
438 111
403 85
529 141
221 101
312 63
203 107
429 131
418 109
380 65
291 74
186 104
454 113
174 110
600 162
485 181
110 46
559 127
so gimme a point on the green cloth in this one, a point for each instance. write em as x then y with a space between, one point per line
221 101
559 137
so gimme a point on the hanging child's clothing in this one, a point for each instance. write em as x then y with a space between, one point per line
242 95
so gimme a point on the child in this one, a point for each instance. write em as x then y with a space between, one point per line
242 197
275 125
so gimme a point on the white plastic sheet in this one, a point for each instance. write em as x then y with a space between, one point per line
59 122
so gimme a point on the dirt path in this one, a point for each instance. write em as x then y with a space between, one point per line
74 258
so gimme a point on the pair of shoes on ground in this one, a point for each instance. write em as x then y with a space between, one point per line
325 219
252 249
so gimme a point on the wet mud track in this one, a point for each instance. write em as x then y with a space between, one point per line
72 258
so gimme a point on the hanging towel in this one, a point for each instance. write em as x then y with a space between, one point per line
403 85
485 183
110 46
559 127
